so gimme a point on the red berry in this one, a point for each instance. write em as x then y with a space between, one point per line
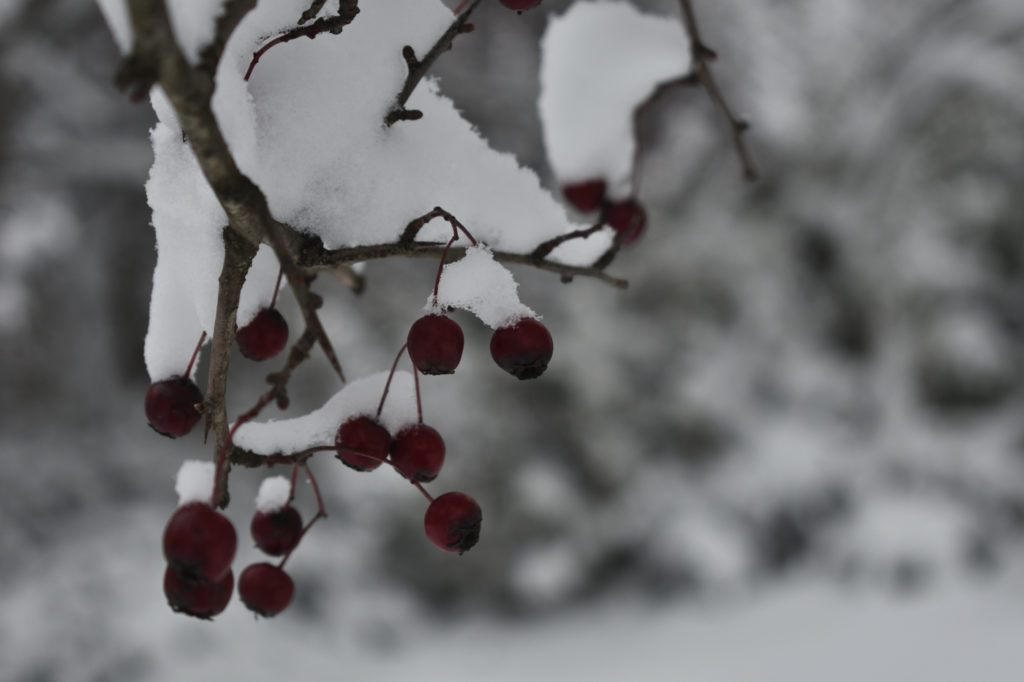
435 344
523 349
362 443
418 453
628 218
199 542
585 196
265 589
171 406
277 532
195 598
520 5
264 337
453 521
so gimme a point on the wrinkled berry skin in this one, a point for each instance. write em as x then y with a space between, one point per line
171 406
523 349
265 589
264 337
276 532
199 542
362 435
194 598
452 522
435 344
628 218
585 196
418 453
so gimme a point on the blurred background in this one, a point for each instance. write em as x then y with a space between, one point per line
791 450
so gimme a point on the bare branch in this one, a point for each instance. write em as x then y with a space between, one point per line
315 258
347 12
234 12
418 68
702 55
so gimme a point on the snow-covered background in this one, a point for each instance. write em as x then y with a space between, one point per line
791 450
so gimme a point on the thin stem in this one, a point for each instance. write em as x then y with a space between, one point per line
195 354
295 476
321 513
419 486
324 448
440 266
701 55
391 374
277 287
419 403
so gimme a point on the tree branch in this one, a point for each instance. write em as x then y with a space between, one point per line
234 12
418 68
347 11
702 55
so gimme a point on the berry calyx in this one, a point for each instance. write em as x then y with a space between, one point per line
628 218
520 5
435 344
418 453
265 336
523 349
586 196
453 521
265 589
362 443
199 542
277 532
196 598
171 406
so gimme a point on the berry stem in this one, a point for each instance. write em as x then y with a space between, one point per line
391 374
321 512
277 287
419 403
333 448
295 475
195 354
440 266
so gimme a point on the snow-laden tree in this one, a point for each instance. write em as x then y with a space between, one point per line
297 139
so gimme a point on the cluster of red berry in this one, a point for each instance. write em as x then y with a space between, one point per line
627 217
199 542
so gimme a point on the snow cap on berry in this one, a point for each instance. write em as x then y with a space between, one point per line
274 493
478 283
194 482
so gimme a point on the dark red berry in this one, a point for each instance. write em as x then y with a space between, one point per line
453 521
196 598
265 589
585 196
435 344
628 218
418 453
277 532
171 406
362 443
523 349
520 5
199 542
265 336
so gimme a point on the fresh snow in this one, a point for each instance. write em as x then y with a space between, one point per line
194 482
599 60
318 428
274 493
481 285
308 129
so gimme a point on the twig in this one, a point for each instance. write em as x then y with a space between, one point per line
333 25
314 257
233 13
418 68
541 252
702 55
